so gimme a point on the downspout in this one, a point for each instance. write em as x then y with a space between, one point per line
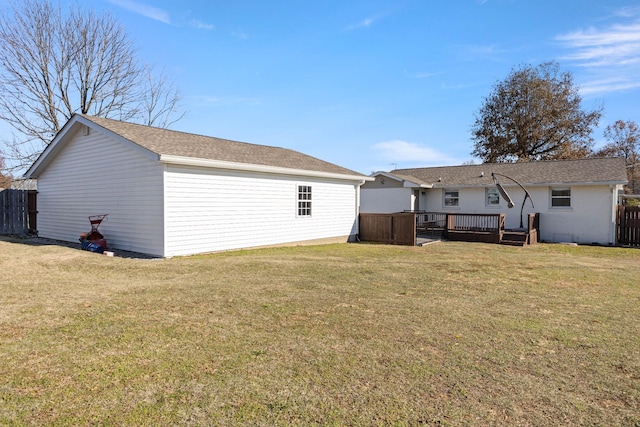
612 223
357 187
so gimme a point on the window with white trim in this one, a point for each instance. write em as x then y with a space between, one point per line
450 198
561 197
492 197
304 200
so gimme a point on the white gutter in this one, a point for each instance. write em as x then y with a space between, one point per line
613 191
527 185
220 164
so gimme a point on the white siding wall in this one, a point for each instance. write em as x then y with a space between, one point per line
386 200
213 210
471 200
93 175
589 219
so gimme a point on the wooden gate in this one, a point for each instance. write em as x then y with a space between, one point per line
18 212
628 230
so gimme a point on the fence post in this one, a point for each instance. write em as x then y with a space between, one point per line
451 223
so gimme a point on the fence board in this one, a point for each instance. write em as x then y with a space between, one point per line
395 229
404 228
628 225
16 216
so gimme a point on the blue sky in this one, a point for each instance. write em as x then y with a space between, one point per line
372 85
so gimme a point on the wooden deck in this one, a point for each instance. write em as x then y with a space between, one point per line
407 228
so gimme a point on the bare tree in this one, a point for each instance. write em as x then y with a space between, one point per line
5 180
55 63
534 114
160 106
624 141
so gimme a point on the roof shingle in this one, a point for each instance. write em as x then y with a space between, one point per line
182 144
582 171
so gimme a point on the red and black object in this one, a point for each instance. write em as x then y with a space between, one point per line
94 241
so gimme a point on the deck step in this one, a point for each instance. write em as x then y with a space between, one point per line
514 238
513 242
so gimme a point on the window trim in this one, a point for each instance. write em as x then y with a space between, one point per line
304 200
553 197
445 198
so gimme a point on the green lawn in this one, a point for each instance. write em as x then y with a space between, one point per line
351 334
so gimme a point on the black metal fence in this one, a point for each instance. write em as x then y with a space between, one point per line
18 212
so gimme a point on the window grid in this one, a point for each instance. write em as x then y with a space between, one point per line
493 197
304 200
451 198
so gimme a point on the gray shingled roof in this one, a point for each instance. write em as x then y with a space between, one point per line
583 171
174 143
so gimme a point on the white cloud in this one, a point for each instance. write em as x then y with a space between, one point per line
365 23
617 45
205 100
613 84
201 25
628 12
475 52
143 9
397 152
610 54
240 35
425 75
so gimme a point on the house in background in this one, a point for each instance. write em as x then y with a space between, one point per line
576 199
171 193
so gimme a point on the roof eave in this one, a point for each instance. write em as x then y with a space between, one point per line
405 182
51 149
539 184
60 140
220 164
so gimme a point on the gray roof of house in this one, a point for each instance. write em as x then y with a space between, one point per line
582 171
175 143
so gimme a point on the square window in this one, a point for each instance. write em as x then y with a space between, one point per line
451 198
560 197
304 200
493 197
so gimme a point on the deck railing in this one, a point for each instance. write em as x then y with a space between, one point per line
431 220
475 227
461 226
399 228
475 222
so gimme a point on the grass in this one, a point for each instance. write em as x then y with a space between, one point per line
447 334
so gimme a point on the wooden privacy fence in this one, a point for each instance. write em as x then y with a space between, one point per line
395 229
18 212
628 225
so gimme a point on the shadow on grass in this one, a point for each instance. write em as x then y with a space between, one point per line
41 241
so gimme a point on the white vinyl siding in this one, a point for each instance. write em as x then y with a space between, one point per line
209 210
94 174
385 200
590 219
